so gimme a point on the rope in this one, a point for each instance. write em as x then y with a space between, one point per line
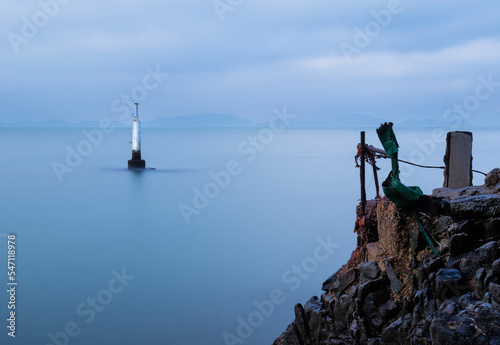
423 166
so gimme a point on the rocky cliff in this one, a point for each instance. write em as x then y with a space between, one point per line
394 290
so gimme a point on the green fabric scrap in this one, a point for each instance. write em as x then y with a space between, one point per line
397 192
388 138
403 196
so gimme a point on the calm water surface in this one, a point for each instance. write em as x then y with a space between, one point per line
106 257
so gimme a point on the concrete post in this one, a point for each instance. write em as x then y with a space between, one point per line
458 160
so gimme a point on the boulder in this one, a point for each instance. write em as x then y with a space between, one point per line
483 256
481 325
370 307
301 325
393 334
343 312
326 285
478 206
448 283
495 291
368 271
396 284
461 243
493 178
343 281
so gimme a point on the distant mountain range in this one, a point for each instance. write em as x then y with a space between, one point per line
200 120
211 120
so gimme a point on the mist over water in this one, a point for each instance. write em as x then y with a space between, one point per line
117 237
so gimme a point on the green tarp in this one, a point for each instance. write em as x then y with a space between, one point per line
403 196
395 191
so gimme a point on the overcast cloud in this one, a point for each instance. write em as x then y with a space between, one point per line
245 61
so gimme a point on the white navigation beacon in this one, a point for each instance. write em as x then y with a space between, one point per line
136 162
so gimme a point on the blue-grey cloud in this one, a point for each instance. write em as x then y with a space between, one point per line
419 61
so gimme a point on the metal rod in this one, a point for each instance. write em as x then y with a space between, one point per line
362 175
375 176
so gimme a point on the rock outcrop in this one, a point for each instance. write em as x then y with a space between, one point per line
394 290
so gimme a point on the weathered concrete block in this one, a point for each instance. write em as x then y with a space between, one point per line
458 160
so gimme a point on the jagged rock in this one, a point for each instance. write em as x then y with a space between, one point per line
343 311
328 303
479 282
448 307
317 328
389 310
463 227
479 326
371 286
417 241
456 261
422 297
396 284
491 277
357 331
443 223
461 243
392 334
481 257
432 263
491 228
371 304
447 282
343 281
446 192
467 301
479 206
457 295
288 337
368 270
353 292
461 192
495 267
493 178
302 326
328 283
495 291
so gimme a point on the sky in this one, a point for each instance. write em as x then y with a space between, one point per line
77 60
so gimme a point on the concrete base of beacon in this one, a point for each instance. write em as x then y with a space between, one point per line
136 164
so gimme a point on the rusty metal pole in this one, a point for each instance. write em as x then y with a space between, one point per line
375 176
362 174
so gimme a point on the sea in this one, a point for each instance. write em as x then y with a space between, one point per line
214 244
